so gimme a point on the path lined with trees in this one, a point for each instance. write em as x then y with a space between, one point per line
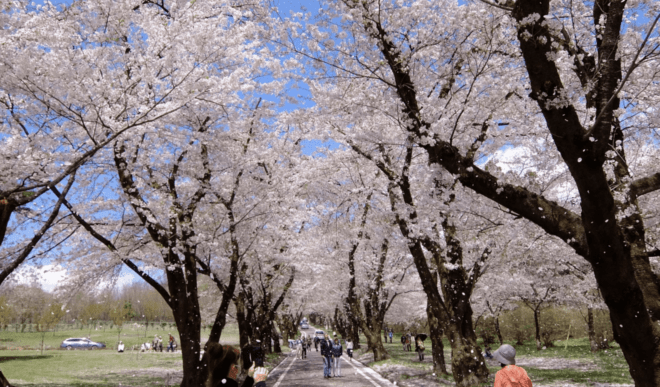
478 158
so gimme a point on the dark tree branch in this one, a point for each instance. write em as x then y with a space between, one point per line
146 277
37 236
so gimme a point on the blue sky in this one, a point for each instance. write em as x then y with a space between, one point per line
52 275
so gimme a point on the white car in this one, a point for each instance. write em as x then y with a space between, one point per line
319 333
304 326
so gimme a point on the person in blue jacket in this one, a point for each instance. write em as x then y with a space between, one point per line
337 352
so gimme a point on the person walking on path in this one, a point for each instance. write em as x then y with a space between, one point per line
403 341
316 343
337 352
391 334
303 345
419 348
326 352
170 343
349 350
510 375
408 344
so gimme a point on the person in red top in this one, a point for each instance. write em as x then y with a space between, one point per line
510 375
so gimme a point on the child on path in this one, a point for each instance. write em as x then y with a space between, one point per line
510 375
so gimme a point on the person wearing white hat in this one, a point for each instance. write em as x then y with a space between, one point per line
510 375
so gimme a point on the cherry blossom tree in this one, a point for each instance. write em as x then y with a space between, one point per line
64 99
191 58
588 68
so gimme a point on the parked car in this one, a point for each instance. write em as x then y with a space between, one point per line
81 343
319 333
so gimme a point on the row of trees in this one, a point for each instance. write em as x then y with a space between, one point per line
492 152
24 305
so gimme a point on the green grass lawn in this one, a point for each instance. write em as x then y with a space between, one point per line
23 364
10 339
81 368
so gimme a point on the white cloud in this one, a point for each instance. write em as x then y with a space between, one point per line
49 277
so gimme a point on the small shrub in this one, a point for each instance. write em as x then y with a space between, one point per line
486 330
517 324
554 325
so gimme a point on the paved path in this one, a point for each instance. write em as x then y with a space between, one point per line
293 372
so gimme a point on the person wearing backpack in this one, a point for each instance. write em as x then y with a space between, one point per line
419 348
349 349
510 375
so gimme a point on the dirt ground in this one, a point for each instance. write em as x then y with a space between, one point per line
414 377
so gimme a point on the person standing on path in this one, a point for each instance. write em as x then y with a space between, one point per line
391 334
510 375
326 352
349 350
337 352
408 342
403 341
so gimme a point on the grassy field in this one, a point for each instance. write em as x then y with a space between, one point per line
130 335
23 364
86 368
570 363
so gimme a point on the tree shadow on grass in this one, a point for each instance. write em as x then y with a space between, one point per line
113 380
24 357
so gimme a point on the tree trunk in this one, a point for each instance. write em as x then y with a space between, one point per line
244 331
276 341
437 347
537 327
375 342
355 335
455 315
182 283
497 329
467 364
227 294
593 342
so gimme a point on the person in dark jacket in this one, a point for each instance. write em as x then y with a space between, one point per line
419 348
403 341
316 343
326 352
337 352
221 363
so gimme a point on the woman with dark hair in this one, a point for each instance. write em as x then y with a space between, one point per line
221 362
